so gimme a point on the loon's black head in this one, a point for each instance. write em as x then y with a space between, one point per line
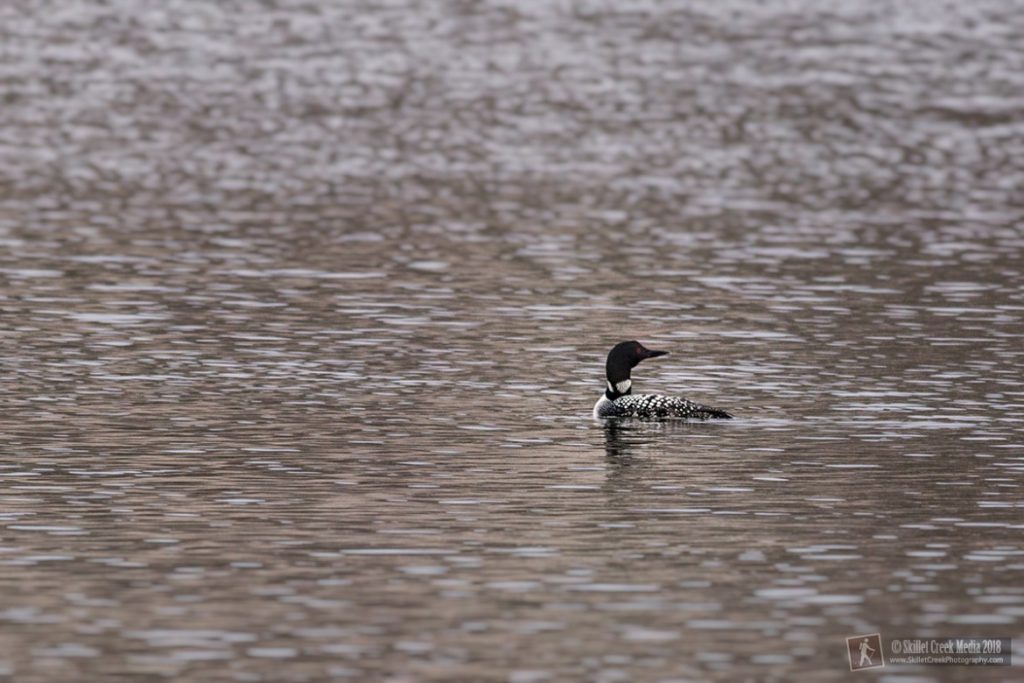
621 361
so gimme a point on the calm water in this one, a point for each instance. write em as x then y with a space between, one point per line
306 306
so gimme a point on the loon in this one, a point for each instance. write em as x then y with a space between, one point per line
619 401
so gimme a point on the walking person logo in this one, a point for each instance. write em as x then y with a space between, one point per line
865 651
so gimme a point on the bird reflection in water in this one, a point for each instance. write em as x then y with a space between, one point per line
626 438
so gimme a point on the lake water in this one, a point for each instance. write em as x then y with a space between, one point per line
306 307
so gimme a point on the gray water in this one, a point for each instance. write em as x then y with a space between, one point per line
306 306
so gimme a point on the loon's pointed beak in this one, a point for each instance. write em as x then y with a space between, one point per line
655 354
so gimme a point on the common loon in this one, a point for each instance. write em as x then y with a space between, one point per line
619 401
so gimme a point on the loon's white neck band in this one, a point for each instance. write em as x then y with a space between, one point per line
620 387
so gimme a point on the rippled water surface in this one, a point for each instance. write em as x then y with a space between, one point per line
306 306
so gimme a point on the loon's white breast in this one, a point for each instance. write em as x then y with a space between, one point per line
601 405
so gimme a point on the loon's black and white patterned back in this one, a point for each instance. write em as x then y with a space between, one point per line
656 407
